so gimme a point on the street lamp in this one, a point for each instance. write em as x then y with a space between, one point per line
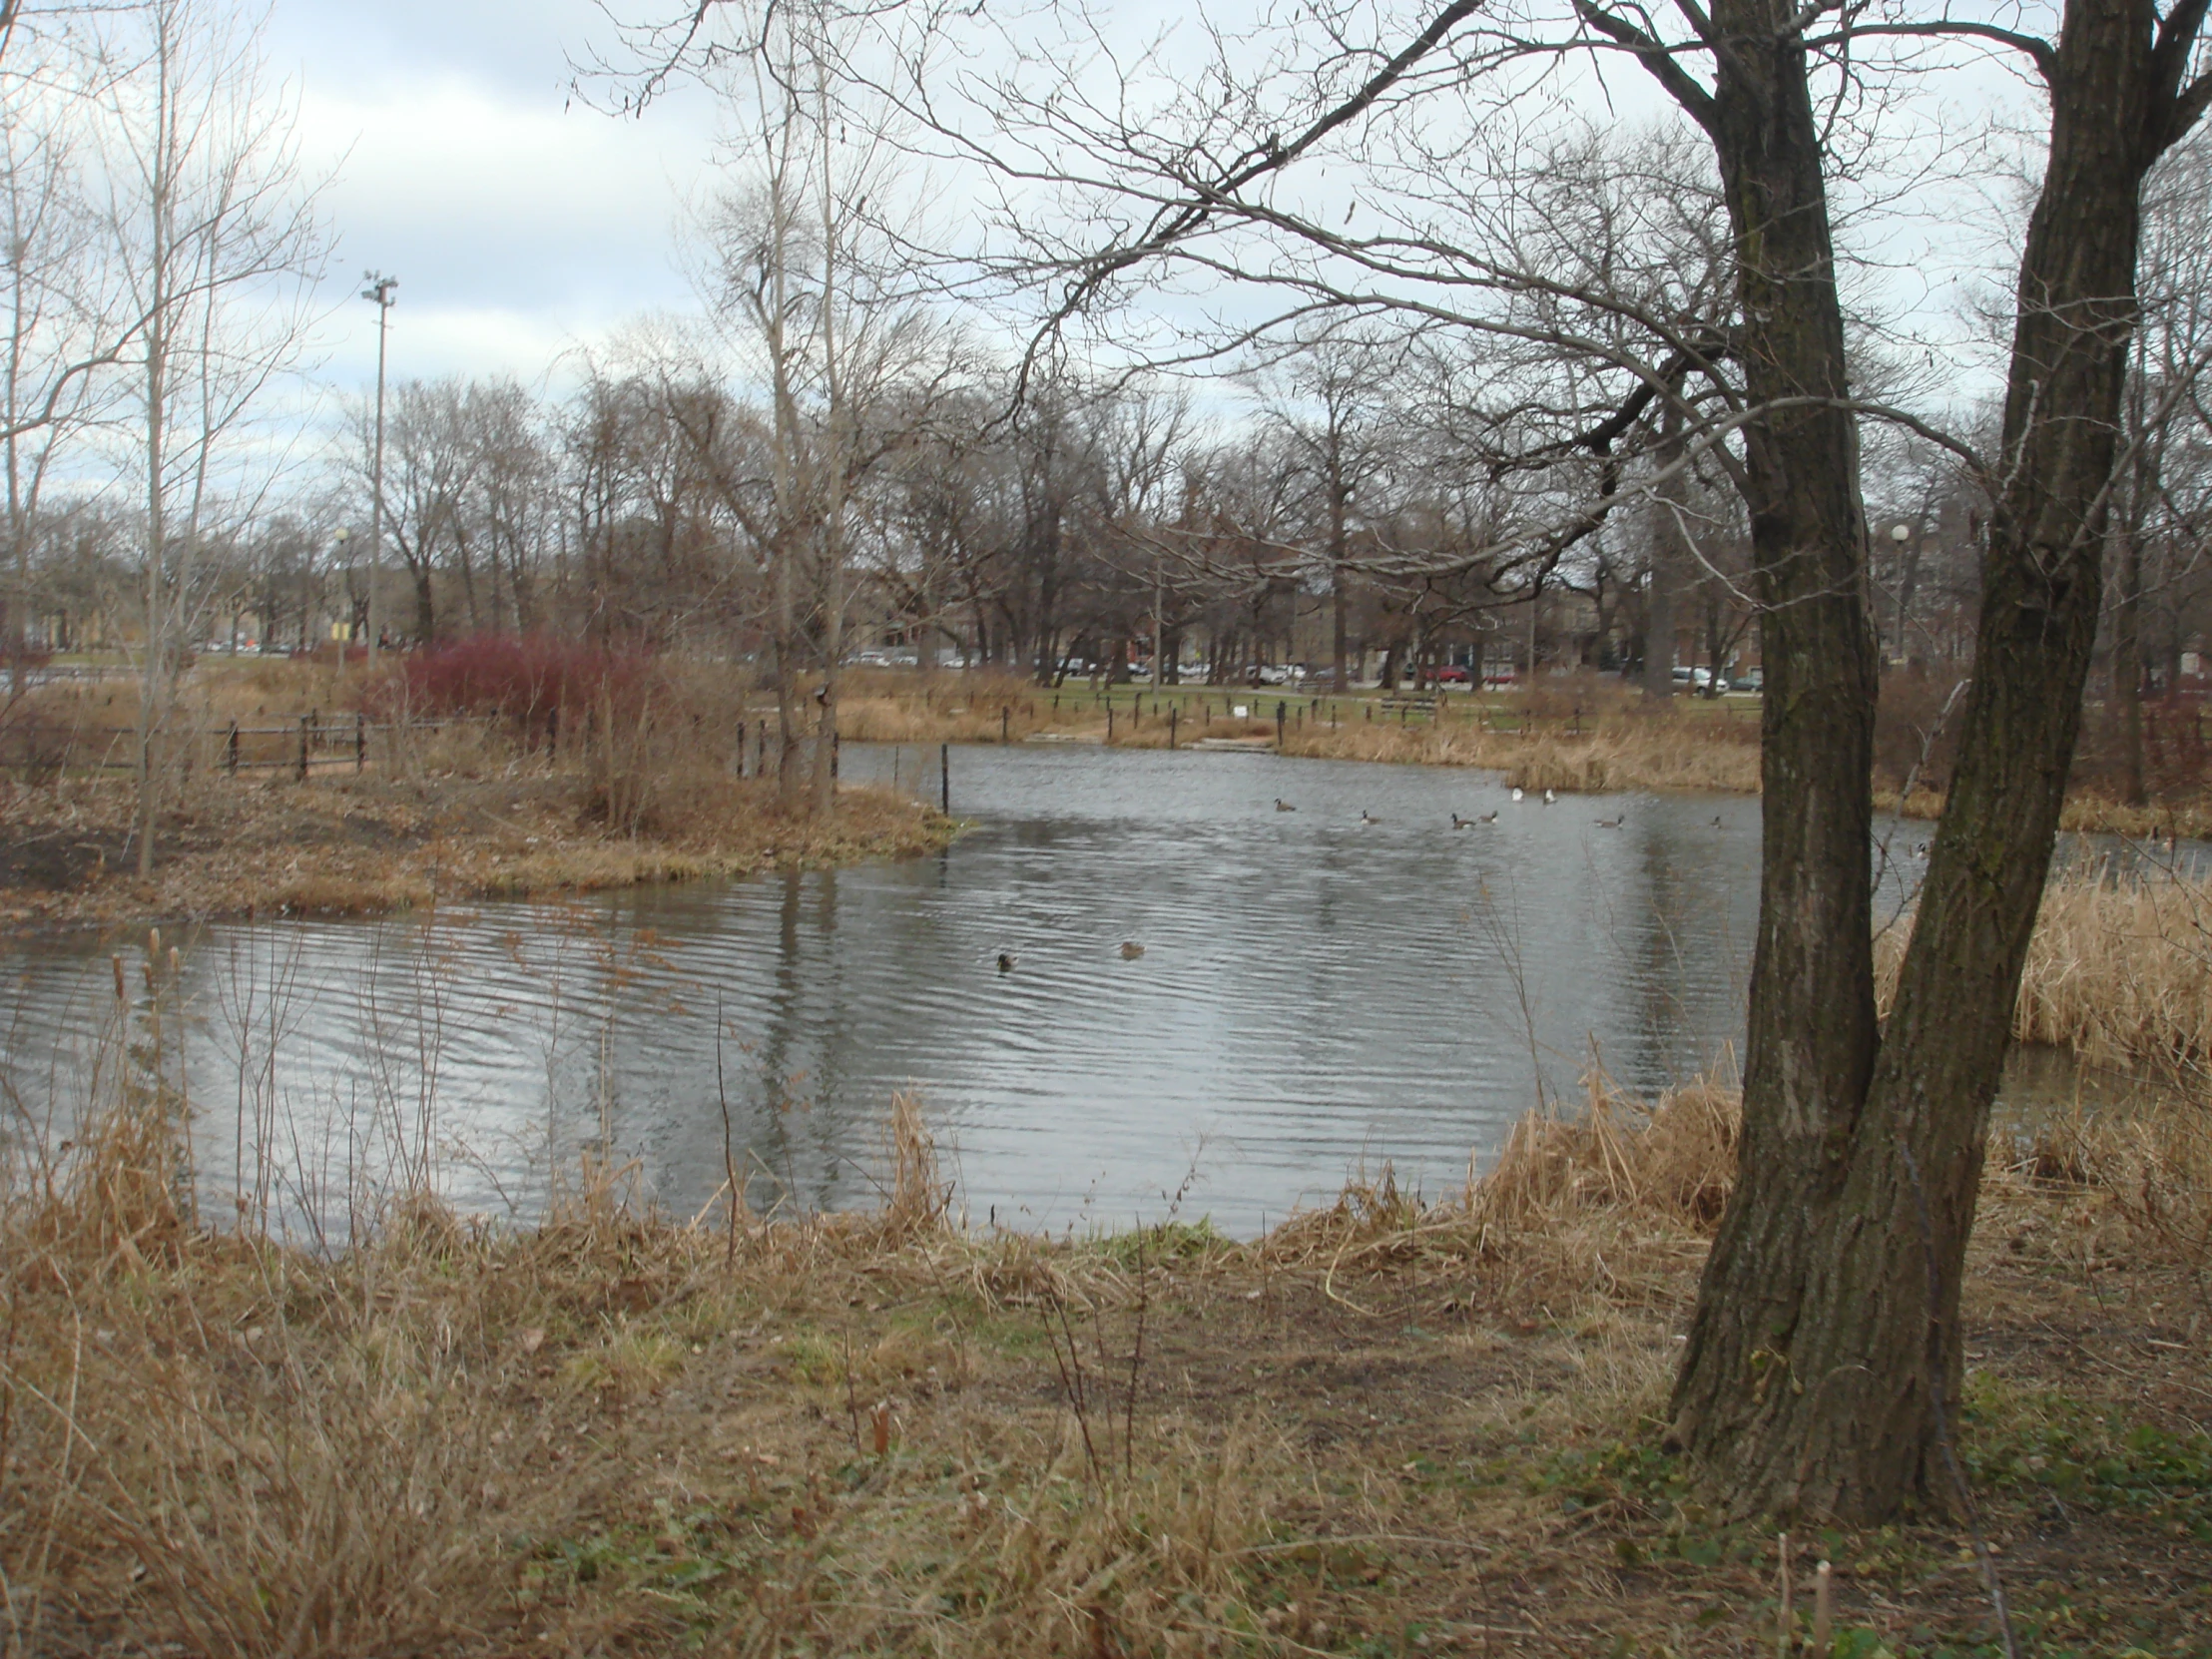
381 290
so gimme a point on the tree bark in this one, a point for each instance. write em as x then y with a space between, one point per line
1825 1344
1740 1400
1878 1337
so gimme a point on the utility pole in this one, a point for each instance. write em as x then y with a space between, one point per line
380 289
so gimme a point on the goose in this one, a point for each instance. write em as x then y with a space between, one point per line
1005 961
1489 816
1516 791
1459 822
1716 821
1283 806
1131 950
1366 816
1612 822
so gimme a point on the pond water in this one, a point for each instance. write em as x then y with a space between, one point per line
1211 1006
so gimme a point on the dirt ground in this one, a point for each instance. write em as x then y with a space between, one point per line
1381 1431
1452 1468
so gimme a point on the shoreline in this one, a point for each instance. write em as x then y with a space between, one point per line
365 845
1687 750
1381 1429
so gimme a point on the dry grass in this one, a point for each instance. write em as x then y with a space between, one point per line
1690 754
2119 969
458 809
616 1434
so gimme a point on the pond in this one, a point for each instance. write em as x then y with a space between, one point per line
1209 1004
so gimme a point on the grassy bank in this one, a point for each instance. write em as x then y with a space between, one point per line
472 809
1580 737
1385 1429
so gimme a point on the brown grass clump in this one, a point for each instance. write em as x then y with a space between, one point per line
1573 1202
894 705
1691 753
2119 969
1387 1428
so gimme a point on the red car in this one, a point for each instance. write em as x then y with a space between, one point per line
1452 675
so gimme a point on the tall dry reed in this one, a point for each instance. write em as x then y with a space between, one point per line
2119 969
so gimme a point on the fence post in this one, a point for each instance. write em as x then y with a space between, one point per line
1109 723
944 778
1280 710
1171 724
1003 718
361 740
304 719
231 750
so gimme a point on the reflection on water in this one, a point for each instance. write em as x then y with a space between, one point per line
1304 993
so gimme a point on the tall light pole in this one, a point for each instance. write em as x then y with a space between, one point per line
380 289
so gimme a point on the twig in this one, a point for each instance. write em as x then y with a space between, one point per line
1786 1625
729 1151
1136 1368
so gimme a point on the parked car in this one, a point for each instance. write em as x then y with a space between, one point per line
1754 681
1273 674
1451 674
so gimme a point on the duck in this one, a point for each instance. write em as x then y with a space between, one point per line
1131 950
1283 806
1005 961
1368 818
1612 822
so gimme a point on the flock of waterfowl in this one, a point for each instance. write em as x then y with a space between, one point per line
1549 798
1131 950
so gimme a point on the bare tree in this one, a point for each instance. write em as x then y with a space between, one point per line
214 231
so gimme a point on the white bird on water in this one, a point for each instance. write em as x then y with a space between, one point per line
1550 799
1516 791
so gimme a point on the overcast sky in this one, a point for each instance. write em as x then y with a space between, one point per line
522 222
519 223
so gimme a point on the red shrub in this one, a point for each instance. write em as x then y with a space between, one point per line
528 678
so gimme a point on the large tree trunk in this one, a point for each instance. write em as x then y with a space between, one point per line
1826 1346
1878 1335
1740 1401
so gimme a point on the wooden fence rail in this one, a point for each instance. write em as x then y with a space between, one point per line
307 745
